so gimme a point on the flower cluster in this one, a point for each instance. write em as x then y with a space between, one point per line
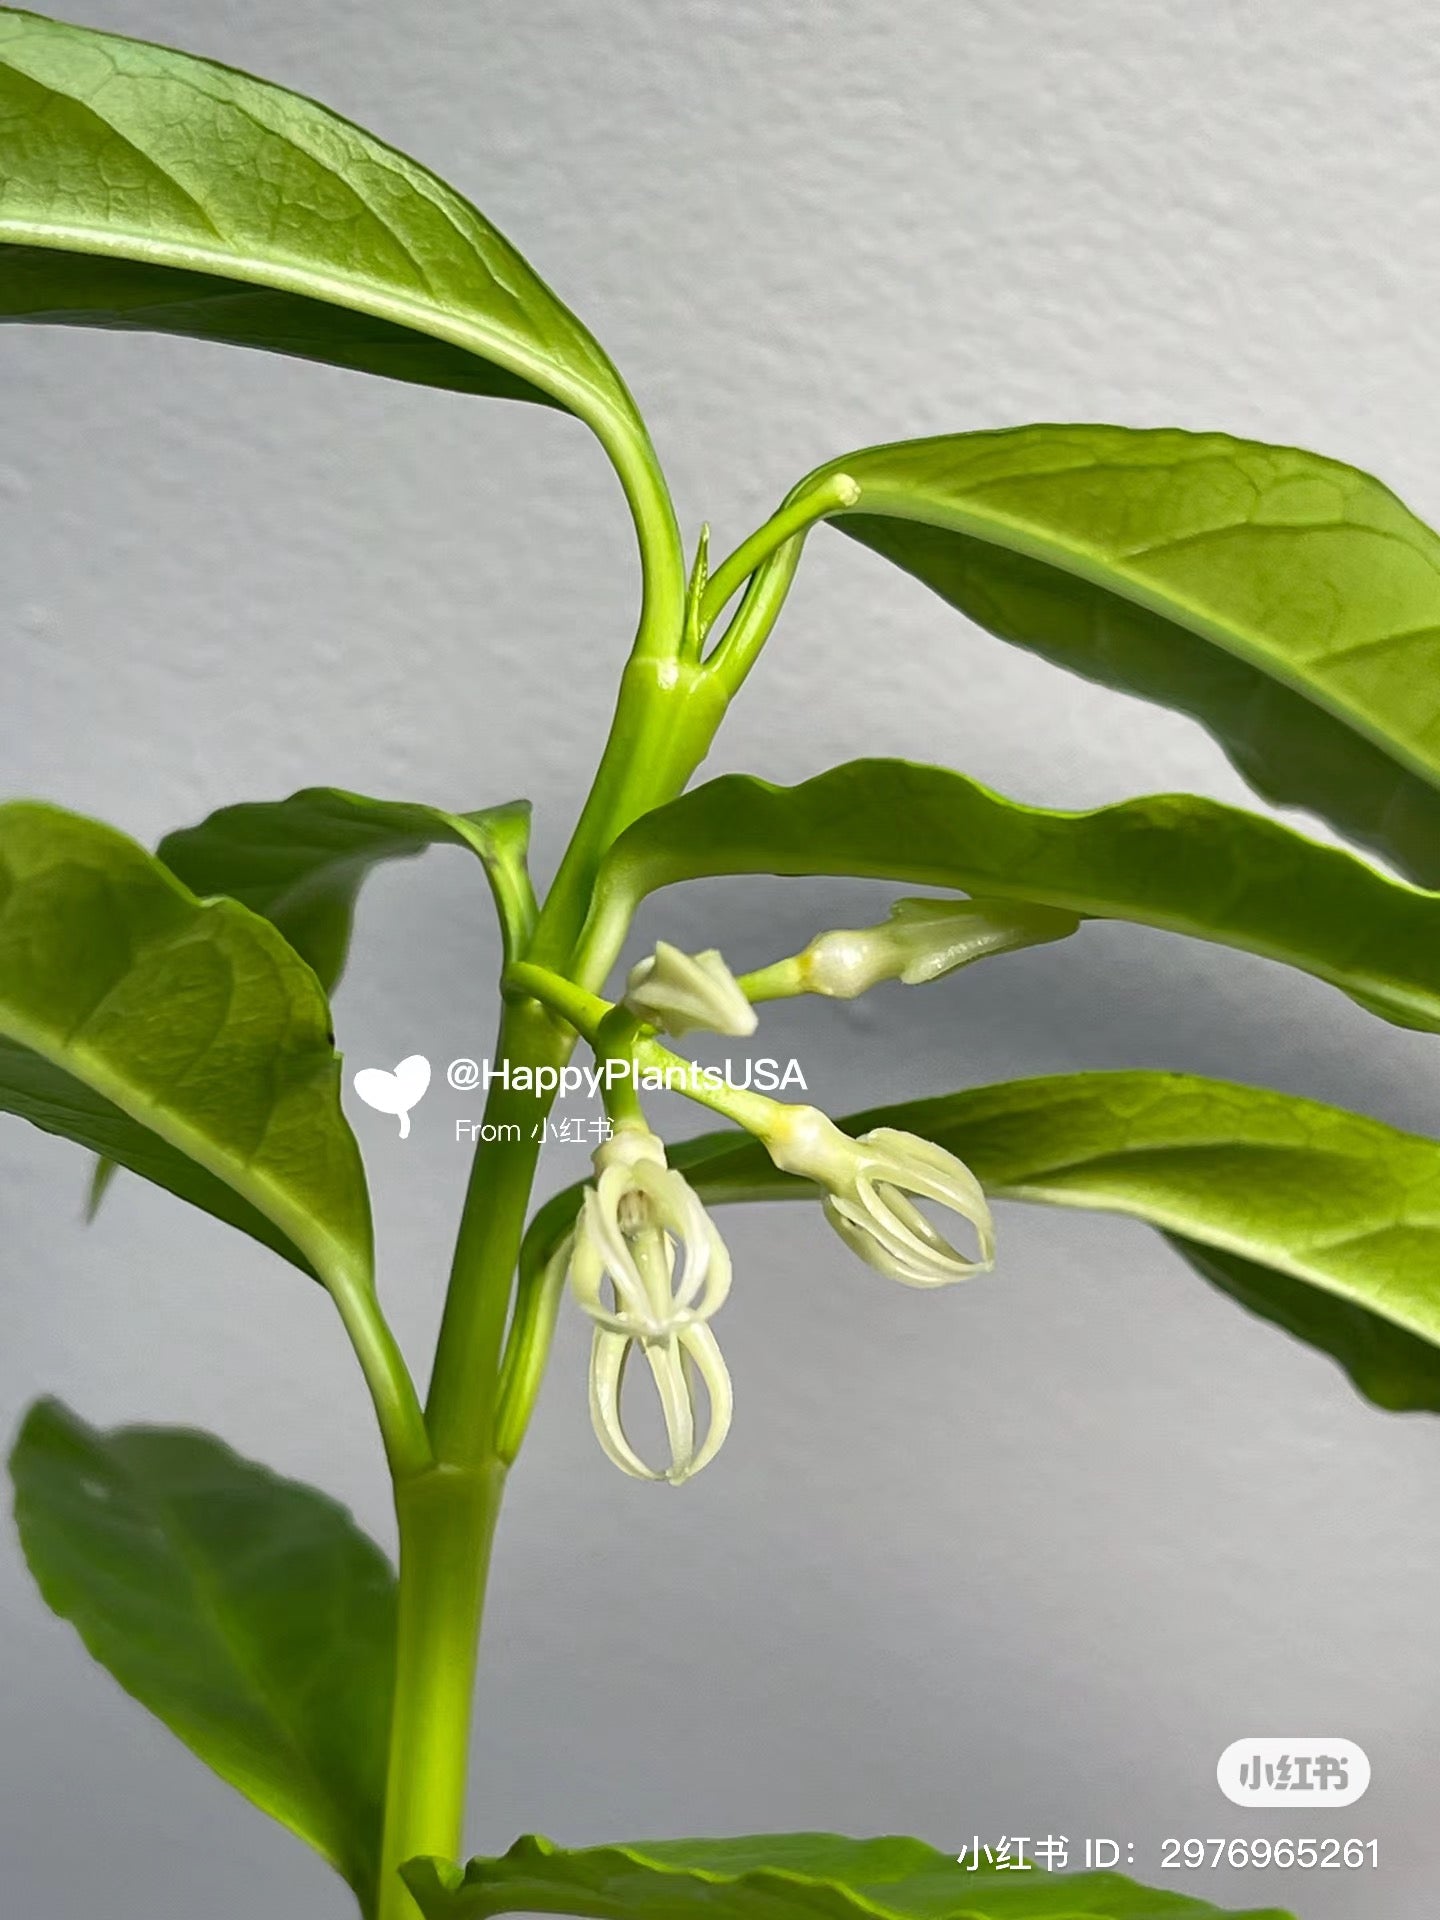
645 1260
647 1263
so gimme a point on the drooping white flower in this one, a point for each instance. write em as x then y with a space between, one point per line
684 993
638 1224
868 1185
923 939
675 1365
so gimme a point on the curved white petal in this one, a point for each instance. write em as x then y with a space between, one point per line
608 1355
703 1351
668 1371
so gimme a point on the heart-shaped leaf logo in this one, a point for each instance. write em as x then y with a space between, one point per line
395 1092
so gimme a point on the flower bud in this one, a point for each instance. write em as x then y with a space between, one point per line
923 939
868 1183
636 1221
682 992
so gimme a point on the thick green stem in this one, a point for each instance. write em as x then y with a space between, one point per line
447 1521
665 719
447 1511
664 722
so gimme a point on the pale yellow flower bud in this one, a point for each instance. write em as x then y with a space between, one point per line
683 993
923 939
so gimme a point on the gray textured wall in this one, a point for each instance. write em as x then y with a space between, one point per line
1022 1557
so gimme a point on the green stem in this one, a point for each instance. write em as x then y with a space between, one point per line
781 980
397 1405
665 719
538 1294
588 1013
447 1522
740 645
576 1006
461 1408
796 516
447 1513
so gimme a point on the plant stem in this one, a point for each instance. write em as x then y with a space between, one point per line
796 516
665 718
447 1522
582 1010
461 1409
397 1405
739 647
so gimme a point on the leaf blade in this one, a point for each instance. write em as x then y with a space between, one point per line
164 165
1387 1365
247 1612
1172 861
300 861
1289 603
780 1877
181 1038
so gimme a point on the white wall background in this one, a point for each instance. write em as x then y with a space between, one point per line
1024 1557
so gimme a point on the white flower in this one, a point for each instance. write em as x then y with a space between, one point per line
868 1182
923 939
638 1218
684 992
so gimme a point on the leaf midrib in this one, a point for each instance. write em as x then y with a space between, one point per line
355 294
1065 555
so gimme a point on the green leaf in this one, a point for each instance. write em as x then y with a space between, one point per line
1323 1221
781 1876
1395 1369
1191 866
147 189
183 1039
300 862
247 1612
1289 603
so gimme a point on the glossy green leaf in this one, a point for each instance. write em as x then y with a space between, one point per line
146 189
781 1876
182 1039
1323 1221
247 1612
1289 603
1397 1370
1189 865
300 862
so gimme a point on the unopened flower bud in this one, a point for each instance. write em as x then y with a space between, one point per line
923 939
684 992
636 1222
868 1185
